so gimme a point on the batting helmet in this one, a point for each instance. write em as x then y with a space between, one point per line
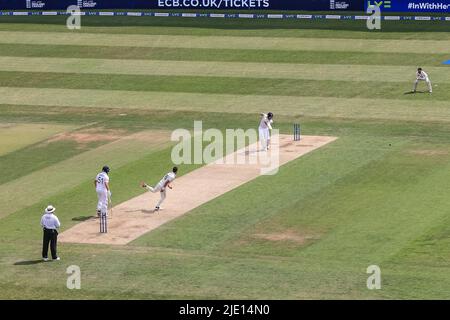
105 169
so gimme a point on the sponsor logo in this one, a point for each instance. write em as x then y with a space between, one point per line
134 14
246 16
422 18
35 4
86 3
386 4
339 5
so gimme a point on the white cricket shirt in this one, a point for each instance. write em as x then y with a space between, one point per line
102 179
422 76
50 221
167 179
265 122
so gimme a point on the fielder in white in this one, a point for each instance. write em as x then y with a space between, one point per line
101 183
264 126
422 76
161 186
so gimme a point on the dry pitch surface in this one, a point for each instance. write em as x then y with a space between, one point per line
135 217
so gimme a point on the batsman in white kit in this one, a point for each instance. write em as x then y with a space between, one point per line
161 186
101 183
264 126
422 76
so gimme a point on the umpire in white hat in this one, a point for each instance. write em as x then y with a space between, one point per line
50 223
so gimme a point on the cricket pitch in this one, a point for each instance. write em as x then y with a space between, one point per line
135 217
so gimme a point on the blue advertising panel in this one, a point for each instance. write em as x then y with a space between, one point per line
411 5
338 5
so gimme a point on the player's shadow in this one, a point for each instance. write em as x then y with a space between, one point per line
251 152
82 218
28 262
412 92
141 210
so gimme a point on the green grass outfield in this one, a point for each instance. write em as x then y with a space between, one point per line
378 195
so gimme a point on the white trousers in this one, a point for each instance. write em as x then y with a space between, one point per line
102 204
264 138
162 192
427 81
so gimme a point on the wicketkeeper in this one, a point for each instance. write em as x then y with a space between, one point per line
422 76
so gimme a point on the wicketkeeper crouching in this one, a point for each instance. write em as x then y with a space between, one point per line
422 76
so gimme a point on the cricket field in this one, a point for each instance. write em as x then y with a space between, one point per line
112 92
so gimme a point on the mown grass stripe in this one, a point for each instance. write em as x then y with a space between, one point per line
221 85
230 55
50 151
354 108
223 69
15 136
225 42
